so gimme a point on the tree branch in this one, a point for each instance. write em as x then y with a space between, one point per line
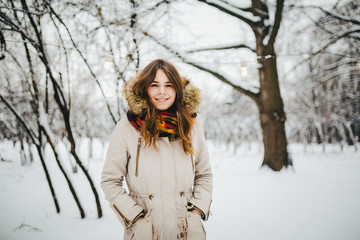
252 95
334 40
335 15
84 59
222 48
331 42
251 23
2 45
277 21
236 7
21 120
325 29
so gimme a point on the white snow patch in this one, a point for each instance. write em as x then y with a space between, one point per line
318 199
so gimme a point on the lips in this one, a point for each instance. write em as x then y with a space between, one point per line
161 99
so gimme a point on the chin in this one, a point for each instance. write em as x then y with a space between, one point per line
162 108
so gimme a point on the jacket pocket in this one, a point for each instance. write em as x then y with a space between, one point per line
196 229
142 229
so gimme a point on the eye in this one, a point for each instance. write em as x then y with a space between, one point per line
154 85
169 85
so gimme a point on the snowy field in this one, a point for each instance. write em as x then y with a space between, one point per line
318 199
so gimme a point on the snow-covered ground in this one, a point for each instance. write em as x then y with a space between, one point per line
318 199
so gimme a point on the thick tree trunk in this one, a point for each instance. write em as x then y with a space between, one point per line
272 115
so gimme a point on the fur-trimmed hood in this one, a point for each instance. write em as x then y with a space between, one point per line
137 103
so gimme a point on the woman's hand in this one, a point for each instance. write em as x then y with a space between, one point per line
196 211
138 219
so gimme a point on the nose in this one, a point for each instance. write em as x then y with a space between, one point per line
162 89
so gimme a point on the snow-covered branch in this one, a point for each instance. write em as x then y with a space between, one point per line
237 46
83 58
228 9
245 9
331 67
252 95
334 14
18 116
334 40
276 25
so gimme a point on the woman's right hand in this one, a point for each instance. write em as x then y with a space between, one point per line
138 219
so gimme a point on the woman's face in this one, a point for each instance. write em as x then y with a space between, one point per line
161 91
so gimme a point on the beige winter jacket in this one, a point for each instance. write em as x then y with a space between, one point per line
169 182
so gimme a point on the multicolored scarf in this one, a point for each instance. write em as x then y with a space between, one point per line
166 122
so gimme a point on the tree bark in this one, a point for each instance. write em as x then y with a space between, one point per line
272 115
52 190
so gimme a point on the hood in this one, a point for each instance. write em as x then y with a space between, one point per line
137 104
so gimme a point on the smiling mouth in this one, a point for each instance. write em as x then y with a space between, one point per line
161 99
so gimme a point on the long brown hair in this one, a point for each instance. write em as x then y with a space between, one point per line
149 130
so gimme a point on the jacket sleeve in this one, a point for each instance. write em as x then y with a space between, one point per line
202 192
112 177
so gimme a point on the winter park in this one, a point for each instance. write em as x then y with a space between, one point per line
180 119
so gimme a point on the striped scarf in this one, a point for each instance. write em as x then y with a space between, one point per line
166 122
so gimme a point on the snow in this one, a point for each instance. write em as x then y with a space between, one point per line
317 199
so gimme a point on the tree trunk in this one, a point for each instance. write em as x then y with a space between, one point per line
71 187
272 115
52 190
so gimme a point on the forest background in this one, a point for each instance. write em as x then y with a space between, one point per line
64 64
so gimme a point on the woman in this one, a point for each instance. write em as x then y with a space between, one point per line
161 151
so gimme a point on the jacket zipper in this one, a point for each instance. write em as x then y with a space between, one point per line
137 157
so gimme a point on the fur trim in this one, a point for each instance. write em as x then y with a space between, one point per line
137 104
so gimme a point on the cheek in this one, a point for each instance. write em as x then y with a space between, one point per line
150 92
173 93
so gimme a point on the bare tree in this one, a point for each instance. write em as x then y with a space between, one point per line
83 35
328 91
26 22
